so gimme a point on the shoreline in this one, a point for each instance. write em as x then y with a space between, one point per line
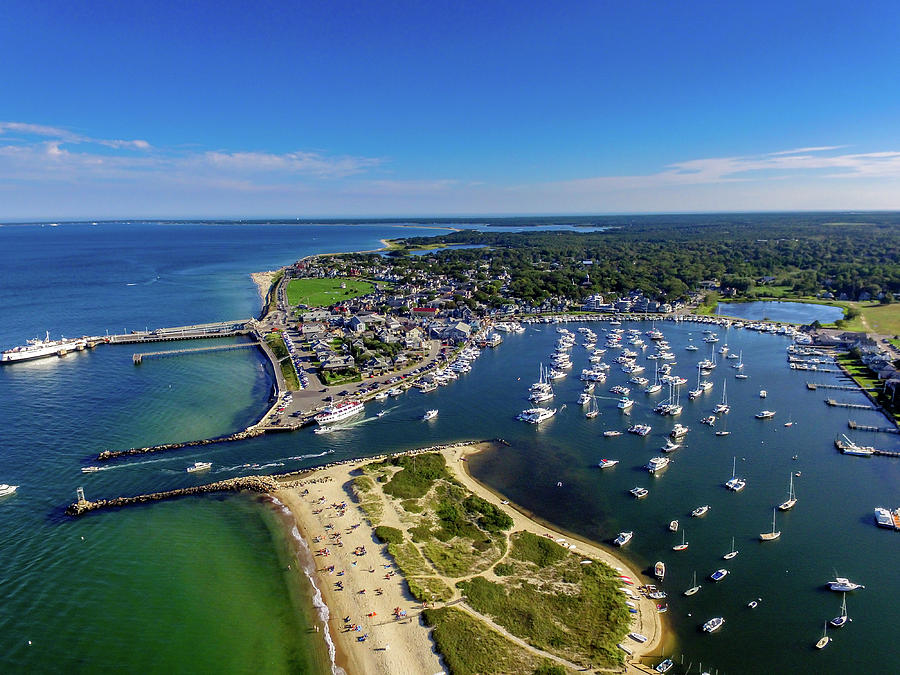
311 498
263 281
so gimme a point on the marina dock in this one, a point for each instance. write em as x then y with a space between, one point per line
194 332
842 404
841 446
812 386
868 427
139 357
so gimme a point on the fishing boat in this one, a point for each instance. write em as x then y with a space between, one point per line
199 466
791 500
694 587
623 538
713 624
824 640
843 585
430 414
678 431
607 463
673 526
719 574
683 545
722 408
769 536
765 414
732 553
700 511
670 446
843 619
734 483
659 570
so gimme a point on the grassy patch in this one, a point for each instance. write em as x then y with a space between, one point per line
569 609
461 557
503 569
332 379
883 319
374 510
389 535
276 344
325 292
412 506
279 348
429 589
408 558
418 474
363 484
860 373
538 550
273 297
469 647
289 373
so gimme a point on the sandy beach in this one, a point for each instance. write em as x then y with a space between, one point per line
263 281
360 583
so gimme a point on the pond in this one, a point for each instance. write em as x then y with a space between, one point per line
792 312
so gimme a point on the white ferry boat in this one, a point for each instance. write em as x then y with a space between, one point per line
38 349
341 411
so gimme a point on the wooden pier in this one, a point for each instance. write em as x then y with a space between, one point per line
841 446
867 427
195 332
139 357
842 404
812 386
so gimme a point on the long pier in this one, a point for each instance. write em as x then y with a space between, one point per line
193 332
842 404
868 427
812 386
139 357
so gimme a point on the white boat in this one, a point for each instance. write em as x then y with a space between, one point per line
623 538
719 574
664 666
670 446
381 396
713 624
338 412
678 431
584 398
37 349
753 604
843 619
536 415
683 545
611 433
625 403
639 429
741 376
430 414
199 466
709 420
700 511
637 637
769 536
740 364
883 518
735 484
851 448
541 396
791 500
657 464
694 587
765 414
692 347
396 391
324 430
382 413
7 489
639 492
673 526
594 410
723 407
843 585
91 469
763 393
824 640
732 553
659 570
607 463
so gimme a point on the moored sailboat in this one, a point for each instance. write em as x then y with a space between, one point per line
791 500
769 536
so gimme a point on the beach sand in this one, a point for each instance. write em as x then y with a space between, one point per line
402 646
263 281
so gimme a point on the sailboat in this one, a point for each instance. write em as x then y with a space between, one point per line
722 408
724 431
824 640
694 587
593 409
841 620
656 386
734 483
695 393
732 553
682 546
769 536
740 364
792 498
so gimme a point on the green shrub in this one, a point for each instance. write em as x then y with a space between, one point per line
417 475
412 506
539 550
503 569
492 519
388 535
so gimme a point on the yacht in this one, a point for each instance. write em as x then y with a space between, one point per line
769 536
670 446
430 414
843 619
700 511
657 464
396 391
37 348
623 538
639 492
713 625
791 500
536 415
541 396
199 466
734 483
625 403
741 376
607 463
843 585
619 389
692 347
694 587
719 574
7 489
640 429
763 393
765 414
851 448
740 364
678 431
584 398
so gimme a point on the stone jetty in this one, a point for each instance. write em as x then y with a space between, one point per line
261 484
251 432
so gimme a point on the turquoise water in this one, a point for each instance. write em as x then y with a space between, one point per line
203 584
790 312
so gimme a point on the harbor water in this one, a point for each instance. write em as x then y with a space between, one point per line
776 310
212 583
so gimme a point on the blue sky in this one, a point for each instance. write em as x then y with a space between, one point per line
332 108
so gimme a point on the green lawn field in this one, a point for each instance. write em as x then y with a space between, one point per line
325 292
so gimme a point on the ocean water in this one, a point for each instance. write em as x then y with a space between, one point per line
792 312
212 584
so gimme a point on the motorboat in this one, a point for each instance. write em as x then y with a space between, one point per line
700 511
659 570
657 464
763 393
882 517
199 466
536 415
611 433
623 538
670 446
625 403
640 429
673 526
843 585
8 489
678 431
770 536
584 398
765 414
713 624
709 420
639 492
324 430
664 666
753 604
607 463
719 574
430 414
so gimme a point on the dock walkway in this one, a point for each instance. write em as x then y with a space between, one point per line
812 386
842 404
139 357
